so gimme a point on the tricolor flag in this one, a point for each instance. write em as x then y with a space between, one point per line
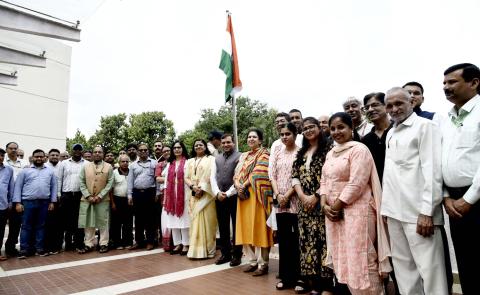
229 63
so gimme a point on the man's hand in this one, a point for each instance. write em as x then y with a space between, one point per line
19 208
462 206
113 206
282 200
425 225
51 206
130 201
221 196
450 208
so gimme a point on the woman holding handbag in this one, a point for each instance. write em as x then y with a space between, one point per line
254 205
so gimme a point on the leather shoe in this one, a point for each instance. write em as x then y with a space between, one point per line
149 247
223 259
176 250
250 268
263 270
135 247
235 261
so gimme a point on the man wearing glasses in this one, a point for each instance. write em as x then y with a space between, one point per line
141 194
353 107
96 180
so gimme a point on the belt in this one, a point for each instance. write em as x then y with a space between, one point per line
457 192
142 190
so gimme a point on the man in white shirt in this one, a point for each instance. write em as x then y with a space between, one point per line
53 224
412 197
461 169
353 107
69 190
214 142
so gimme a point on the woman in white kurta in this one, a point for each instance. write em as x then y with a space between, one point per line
176 199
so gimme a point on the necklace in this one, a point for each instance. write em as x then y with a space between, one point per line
197 163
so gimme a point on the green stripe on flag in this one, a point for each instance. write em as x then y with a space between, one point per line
226 67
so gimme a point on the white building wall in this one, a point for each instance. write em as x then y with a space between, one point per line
34 113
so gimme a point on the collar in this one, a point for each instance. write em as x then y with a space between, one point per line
344 146
226 155
121 172
18 160
467 107
72 160
42 167
417 110
409 121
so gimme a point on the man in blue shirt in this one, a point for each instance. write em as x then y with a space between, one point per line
6 194
35 193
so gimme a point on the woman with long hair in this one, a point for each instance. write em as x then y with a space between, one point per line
175 204
307 170
254 205
351 198
203 214
285 199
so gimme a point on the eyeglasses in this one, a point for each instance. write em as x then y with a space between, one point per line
372 105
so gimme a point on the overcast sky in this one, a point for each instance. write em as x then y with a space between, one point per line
138 56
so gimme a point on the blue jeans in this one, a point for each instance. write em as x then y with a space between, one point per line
33 225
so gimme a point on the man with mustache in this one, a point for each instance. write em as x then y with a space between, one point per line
157 150
353 107
461 168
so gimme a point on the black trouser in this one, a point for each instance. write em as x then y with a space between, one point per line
158 220
225 210
3 223
288 249
14 224
69 207
144 210
464 233
122 222
53 230
448 263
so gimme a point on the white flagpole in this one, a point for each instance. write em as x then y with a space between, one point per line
234 114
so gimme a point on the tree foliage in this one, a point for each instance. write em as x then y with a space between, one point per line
115 132
250 113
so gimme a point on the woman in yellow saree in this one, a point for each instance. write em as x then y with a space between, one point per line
202 210
254 205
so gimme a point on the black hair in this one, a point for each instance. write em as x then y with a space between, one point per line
470 72
321 150
184 151
258 131
225 135
38 151
295 111
214 135
2 152
291 127
88 151
193 154
53 151
346 119
130 145
285 115
6 146
413 83
380 96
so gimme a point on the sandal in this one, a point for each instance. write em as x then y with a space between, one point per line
281 285
300 287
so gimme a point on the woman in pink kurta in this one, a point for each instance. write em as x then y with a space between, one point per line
351 197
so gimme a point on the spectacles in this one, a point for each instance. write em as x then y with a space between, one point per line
373 106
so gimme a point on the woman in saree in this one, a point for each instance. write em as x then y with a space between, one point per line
351 198
306 173
203 214
175 203
254 205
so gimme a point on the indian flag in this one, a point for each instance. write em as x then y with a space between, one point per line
229 63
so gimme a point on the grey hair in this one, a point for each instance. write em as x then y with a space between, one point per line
401 90
352 99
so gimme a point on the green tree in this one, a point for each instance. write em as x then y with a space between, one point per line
249 114
150 126
112 134
78 138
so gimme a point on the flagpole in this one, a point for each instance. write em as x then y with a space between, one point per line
234 114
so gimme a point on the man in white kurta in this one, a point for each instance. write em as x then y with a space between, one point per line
412 197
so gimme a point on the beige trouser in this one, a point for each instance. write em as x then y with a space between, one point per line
90 236
419 262
257 255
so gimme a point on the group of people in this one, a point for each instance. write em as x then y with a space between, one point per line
355 200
